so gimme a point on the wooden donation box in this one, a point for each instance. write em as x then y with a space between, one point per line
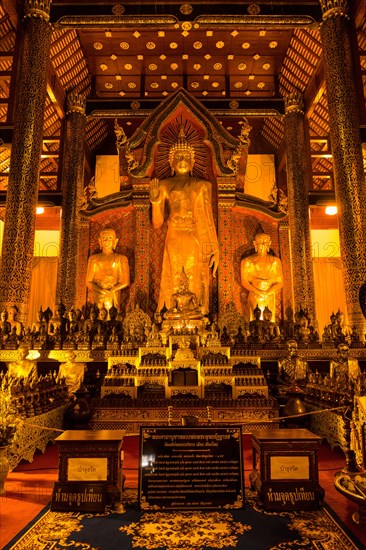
285 469
89 462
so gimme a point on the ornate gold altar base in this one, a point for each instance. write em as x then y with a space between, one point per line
131 418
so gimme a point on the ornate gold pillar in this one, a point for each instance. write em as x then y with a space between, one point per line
349 176
140 289
23 184
72 182
225 272
298 164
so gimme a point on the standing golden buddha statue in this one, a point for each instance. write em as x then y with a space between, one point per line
191 240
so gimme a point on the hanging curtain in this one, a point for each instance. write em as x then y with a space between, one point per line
329 289
43 290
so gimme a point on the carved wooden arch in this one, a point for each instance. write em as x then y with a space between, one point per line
159 131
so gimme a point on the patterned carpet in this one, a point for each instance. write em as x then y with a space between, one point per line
250 528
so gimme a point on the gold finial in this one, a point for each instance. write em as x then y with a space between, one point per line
37 8
294 102
76 103
181 145
332 8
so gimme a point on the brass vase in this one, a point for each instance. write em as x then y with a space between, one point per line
4 468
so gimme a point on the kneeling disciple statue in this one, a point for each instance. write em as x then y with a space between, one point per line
108 272
191 241
344 368
293 370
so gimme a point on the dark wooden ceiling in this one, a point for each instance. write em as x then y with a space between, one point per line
238 58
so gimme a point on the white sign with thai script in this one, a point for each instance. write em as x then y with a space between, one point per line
290 467
87 469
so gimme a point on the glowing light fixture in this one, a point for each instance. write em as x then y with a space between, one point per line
331 210
39 210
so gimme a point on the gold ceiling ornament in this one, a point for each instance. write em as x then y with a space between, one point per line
150 45
37 8
124 45
135 105
234 104
118 9
333 8
186 25
186 9
245 45
98 45
273 44
254 9
197 45
294 102
242 66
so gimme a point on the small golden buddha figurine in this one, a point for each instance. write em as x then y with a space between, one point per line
191 241
184 302
12 318
5 326
40 324
72 372
261 275
270 330
108 272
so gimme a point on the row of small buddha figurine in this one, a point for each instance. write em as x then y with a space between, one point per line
32 395
95 328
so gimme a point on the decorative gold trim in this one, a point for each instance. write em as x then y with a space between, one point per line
334 8
76 103
37 8
112 21
267 21
143 113
294 102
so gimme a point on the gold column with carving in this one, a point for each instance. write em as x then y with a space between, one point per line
23 184
72 182
225 274
349 176
140 290
298 164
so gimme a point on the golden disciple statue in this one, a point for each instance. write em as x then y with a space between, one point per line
191 241
72 372
108 272
261 275
23 367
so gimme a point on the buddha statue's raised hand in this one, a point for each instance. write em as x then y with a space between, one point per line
154 190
